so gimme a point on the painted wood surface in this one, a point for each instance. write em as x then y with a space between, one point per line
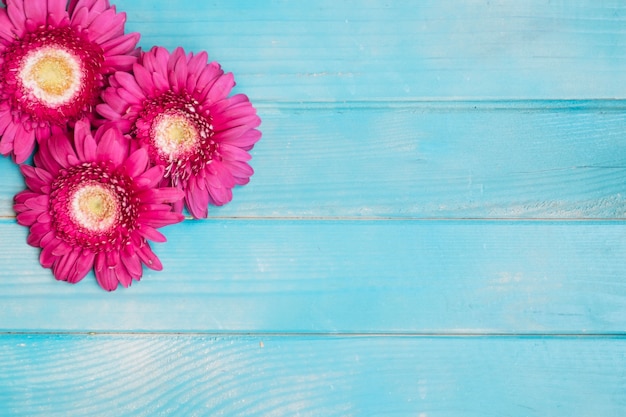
436 227
152 375
430 160
344 277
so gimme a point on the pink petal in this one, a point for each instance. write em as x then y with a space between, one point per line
245 139
59 148
132 263
149 258
198 203
56 12
233 153
151 233
46 258
119 62
143 77
5 26
160 82
27 218
233 135
150 178
221 88
82 266
121 45
160 195
129 84
15 10
39 203
65 264
137 163
123 275
220 196
178 75
84 142
106 25
110 147
24 144
160 219
37 232
106 278
37 11
112 98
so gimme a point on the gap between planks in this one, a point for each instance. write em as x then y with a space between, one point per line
338 335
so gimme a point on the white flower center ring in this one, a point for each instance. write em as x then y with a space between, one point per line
174 135
95 207
52 75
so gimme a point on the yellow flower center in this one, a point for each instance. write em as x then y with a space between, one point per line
95 207
174 135
52 75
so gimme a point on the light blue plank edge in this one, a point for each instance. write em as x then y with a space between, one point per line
538 159
129 375
335 51
341 276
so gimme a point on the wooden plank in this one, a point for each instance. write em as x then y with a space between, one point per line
428 160
51 375
377 50
341 276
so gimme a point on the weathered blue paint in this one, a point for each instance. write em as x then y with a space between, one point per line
436 227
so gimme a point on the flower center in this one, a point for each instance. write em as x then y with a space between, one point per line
174 135
94 207
52 75
178 135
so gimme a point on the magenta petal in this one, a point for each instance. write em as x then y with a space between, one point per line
222 87
123 275
37 11
24 144
27 218
137 163
46 258
151 177
121 45
84 142
83 265
110 147
143 77
151 234
16 14
198 203
107 279
65 264
128 82
149 258
120 62
132 263
161 195
106 25
59 147
160 219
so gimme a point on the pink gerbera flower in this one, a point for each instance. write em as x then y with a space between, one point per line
92 203
177 107
53 61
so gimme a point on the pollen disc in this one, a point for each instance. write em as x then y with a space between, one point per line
52 75
94 207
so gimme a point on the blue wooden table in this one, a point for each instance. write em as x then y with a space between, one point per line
436 227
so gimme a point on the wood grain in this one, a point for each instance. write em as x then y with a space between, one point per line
157 375
562 160
377 50
436 227
342 276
